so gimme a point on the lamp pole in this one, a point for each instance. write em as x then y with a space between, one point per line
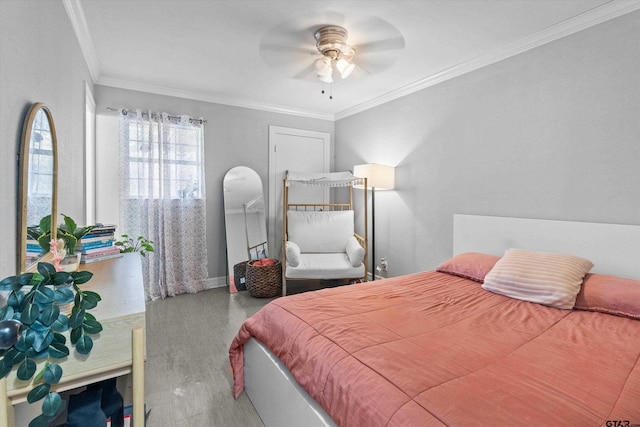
383 178
373 233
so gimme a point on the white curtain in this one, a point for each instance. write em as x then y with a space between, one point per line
162 197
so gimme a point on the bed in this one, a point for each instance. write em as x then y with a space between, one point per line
438 348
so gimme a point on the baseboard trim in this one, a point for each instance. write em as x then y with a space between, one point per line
215 282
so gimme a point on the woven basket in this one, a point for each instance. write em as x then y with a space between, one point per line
264 281
240 275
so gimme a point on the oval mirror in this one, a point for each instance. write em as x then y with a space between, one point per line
38 185
245 221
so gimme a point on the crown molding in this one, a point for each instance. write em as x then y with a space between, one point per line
79 24
603 13
593 17
197 96
78 21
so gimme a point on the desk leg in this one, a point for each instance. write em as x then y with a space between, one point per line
137 371
6 408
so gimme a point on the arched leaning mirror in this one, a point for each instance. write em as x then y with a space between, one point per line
245 221
38 182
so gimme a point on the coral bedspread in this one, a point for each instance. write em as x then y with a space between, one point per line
435 349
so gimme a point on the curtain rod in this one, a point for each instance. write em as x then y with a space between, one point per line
126 111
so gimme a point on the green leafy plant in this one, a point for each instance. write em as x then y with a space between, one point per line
41 233
34 300
71 233
68 231
129 244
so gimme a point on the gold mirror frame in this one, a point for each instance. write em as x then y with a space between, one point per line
244 217
23 194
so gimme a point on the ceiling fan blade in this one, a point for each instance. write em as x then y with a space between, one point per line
395 43
287 49
305 72
360 72
375 63
287 58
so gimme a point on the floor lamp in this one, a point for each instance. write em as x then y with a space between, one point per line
379 177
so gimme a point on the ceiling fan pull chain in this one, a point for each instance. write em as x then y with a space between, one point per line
330 90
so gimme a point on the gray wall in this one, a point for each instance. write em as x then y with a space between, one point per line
233 137
40 61
552 133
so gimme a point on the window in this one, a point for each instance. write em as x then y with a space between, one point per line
41 157
165 159
162 197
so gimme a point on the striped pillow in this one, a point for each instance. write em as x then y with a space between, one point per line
544 278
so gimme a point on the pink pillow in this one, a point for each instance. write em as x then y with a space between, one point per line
470 265
545 278
610 294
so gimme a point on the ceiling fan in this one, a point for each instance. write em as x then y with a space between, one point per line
305 50
331 41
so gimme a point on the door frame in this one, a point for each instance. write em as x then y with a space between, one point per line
274 132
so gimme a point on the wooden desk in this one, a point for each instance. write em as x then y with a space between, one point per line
118 349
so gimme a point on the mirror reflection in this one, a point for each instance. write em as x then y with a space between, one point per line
245 221
38 167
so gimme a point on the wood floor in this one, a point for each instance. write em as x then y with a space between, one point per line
187 374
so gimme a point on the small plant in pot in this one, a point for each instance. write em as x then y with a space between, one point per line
71 233
32 326
68 232
41 232
129 244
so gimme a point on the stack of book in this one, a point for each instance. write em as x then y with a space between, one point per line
34 251
98 245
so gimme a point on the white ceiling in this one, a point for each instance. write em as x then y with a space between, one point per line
211 50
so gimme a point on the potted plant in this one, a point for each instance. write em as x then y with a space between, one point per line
128 244
71 233
33 327
68 232
41 233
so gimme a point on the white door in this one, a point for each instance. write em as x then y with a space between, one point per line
300 151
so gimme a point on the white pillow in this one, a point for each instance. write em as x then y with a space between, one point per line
544 278
355 252
293 254
320 231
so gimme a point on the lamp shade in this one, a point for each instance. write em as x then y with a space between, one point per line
345 68
323 66
325 79
380 177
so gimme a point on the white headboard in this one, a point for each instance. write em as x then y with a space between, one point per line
613 248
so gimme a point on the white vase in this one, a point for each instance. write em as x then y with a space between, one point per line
70 263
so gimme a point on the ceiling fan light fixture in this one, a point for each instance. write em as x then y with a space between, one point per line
331 37
325 78
331 41
345 67
323 66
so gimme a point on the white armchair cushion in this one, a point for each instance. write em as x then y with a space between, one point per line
355 252
293 254
324 266
320 231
